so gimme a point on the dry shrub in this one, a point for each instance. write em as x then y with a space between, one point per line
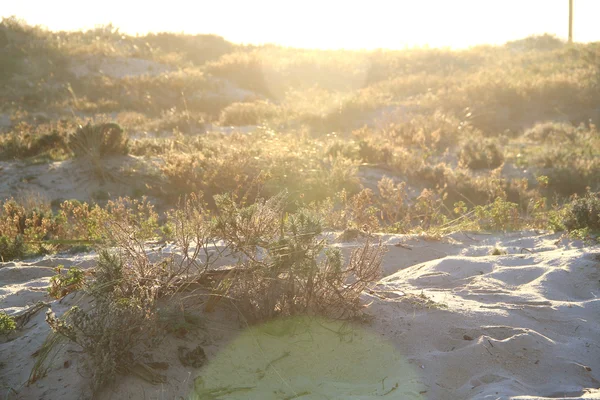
567 155
149 94
574 177
25 225
362 211
120 323
291 281
365 149
344 148
174 120
475 190
119 327
245 227
254 113
193 231
83 220
29 225
245 69
545 42
390 209
198 49
480 153
265 162
394 204
237 171
371 152
284 269
30 217
275 71
27 140
287 269
433 133
551 132
332 211
428 210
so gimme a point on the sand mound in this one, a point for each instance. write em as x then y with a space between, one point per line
499 326
449 321
76 179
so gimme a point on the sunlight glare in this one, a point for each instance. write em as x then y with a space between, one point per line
325 25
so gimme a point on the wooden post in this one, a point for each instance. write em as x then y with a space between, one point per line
570 21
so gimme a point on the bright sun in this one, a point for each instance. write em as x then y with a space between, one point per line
325 23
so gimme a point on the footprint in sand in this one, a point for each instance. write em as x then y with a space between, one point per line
486 379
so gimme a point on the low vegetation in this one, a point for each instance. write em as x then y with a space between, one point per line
98 141
256 153
7 324
62 284
583 213
290 279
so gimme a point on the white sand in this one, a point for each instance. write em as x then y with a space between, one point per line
449 321
75 179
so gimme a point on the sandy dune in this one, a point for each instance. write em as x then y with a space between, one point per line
76 179
448 321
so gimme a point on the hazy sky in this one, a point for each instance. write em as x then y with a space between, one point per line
324 23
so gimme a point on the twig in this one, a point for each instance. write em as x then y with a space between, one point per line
399 244
391 390
473 239
295 396
284 355
146 373
488 350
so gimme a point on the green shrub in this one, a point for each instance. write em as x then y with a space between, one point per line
11 248
501 215
105 139
7 323
63 284
583 213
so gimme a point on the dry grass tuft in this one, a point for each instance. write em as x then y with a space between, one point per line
97 141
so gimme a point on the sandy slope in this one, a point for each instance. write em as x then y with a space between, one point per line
76 179
449 321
